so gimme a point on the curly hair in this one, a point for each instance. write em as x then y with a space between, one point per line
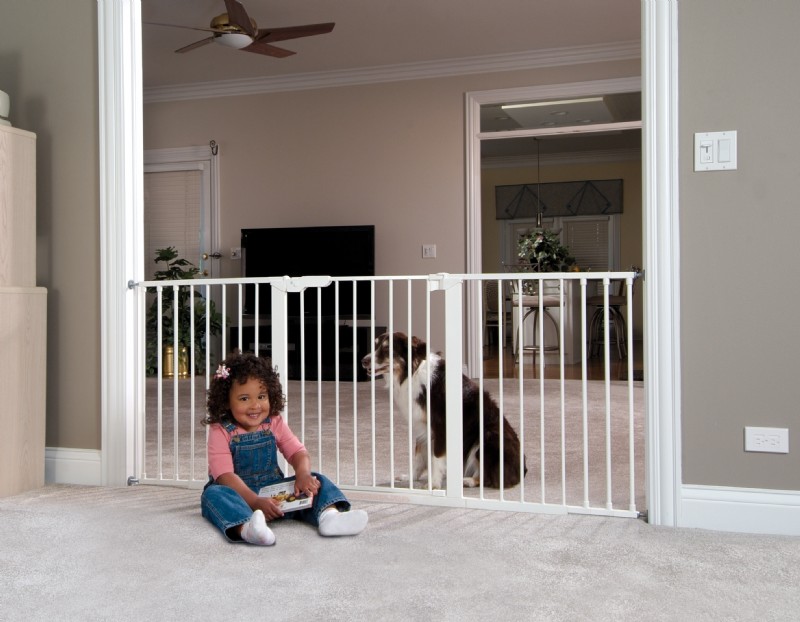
241 368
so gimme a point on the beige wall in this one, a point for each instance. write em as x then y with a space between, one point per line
739 336
388 154
391 155
630 222
49 69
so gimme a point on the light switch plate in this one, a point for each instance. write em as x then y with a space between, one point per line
715 151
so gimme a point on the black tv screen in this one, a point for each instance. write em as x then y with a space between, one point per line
306 251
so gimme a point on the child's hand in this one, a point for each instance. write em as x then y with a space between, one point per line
306 484
269 507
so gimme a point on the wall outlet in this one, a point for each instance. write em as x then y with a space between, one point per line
429 251
769 440
236 252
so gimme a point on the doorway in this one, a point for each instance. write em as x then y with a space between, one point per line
120 91
484 125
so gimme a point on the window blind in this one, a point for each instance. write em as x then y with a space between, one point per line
172 206
587 240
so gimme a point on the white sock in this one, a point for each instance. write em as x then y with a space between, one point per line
332 522
256 531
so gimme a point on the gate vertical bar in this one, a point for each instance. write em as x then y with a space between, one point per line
540 343
481 337
454 296
409 419
355 368
390 328
336 337
607 360
562 327
631 445
584 395
428 288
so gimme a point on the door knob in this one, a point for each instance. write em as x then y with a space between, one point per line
212 255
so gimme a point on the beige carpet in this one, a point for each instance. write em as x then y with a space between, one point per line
373 444
84 554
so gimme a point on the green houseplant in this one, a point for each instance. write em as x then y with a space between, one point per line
543 250
178 269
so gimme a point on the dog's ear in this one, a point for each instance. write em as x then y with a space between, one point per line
418 350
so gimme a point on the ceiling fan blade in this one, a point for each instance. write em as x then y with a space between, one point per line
259 47
195 45
178 26
239 17
268 35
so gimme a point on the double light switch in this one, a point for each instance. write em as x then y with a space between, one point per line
715 151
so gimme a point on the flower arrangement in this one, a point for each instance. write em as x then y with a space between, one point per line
542 248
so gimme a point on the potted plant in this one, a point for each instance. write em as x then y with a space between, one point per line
543 250
178 269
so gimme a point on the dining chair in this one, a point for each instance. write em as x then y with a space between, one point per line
529 300
491 311
617 297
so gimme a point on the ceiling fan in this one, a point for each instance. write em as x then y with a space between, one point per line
236 29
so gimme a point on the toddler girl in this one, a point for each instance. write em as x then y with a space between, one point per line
246 432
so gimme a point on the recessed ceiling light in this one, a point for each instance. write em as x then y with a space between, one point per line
562 102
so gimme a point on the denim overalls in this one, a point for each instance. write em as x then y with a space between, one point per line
255 460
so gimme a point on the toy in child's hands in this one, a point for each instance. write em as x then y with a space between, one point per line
284 496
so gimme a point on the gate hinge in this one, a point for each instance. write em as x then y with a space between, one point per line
642 515
133 481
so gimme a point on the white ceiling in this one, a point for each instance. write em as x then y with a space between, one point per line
371 33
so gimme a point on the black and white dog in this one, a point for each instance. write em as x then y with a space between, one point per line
403 369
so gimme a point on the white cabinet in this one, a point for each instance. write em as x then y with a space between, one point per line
17 207
23 319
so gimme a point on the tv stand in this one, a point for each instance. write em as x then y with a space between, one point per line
328 351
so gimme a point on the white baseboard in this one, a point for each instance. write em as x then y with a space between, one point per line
72 466
743 510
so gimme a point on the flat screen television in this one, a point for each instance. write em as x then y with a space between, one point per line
308 251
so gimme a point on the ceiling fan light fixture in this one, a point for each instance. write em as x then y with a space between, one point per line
235 40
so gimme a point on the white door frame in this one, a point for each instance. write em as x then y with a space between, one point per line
121 198
119 32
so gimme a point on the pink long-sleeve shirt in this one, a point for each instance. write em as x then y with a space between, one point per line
220 460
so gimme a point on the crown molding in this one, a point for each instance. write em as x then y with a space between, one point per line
535 59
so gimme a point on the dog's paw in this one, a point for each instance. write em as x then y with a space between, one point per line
470 482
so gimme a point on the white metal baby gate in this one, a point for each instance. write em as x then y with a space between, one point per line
582 439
